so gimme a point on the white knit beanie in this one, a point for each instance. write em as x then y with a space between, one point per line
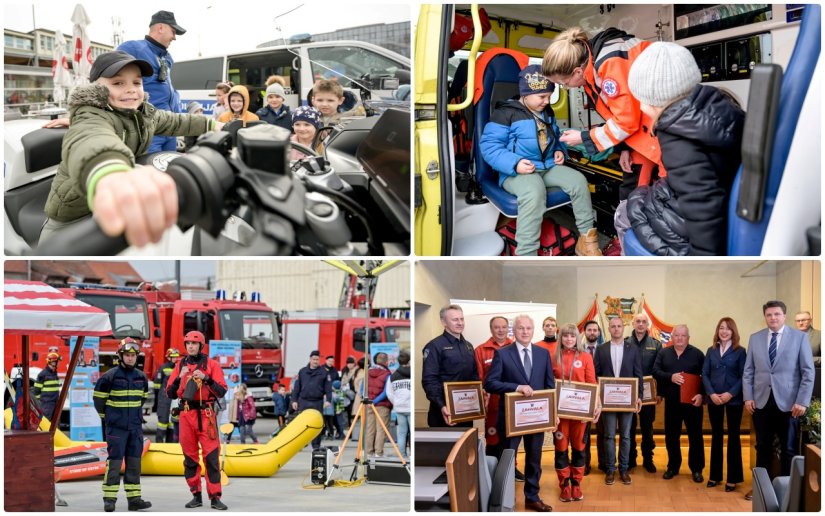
662 73
276 89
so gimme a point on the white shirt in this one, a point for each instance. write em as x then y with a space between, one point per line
616 355
529 349
724 347
778 337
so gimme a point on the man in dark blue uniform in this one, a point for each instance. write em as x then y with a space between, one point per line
313 390
47 385
447 358
165 430
118 397
649 347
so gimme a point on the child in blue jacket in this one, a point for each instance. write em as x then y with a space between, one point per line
521 142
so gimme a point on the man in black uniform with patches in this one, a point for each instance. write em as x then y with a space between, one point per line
447 358
47 385
165 430
313 390
118 398
649 347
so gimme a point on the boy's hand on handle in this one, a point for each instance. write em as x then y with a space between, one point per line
558 157
141 203
571 137
525 166
57 123
625 161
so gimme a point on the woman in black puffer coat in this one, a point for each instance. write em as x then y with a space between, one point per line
700 133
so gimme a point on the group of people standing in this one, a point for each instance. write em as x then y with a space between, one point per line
772 379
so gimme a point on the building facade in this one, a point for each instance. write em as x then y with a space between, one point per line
392 36
27 66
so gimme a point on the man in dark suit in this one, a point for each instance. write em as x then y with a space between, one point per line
777 383
618 359
592 340
522 367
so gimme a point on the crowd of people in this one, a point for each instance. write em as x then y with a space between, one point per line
773 379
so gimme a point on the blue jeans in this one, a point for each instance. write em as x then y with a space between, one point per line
402 431
624 419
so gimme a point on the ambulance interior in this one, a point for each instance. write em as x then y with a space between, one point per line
771 212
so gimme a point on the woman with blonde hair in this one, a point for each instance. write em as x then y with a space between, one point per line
602 65
571 364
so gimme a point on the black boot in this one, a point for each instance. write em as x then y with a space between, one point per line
218 504
138 504
109 504
160 436
196 501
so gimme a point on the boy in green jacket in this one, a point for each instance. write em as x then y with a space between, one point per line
111 123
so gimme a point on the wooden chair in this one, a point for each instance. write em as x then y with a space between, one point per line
462 473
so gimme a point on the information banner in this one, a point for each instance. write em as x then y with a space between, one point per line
227 353
391 349
83 419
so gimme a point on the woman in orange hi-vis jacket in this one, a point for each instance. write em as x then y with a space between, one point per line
571 363
602 65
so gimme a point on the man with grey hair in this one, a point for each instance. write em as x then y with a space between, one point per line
523 367
804 323
669 370
447 358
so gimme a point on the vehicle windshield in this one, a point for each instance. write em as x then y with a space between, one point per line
350 65
398 334
128 315
255 329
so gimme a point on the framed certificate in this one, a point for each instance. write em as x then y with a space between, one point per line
577 400
648 390
618 394
465 401
530 415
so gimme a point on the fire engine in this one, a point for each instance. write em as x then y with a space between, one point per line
339 332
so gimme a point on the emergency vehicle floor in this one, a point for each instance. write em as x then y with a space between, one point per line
280 493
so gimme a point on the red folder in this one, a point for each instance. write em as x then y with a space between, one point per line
691 387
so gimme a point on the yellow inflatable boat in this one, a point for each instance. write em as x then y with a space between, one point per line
254 460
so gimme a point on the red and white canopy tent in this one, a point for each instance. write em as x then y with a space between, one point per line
32 307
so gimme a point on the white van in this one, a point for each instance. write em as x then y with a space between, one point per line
356 65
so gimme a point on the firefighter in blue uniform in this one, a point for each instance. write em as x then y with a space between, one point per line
447 358
118 397
165 430
47 385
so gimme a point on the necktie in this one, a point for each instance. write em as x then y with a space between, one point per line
591 350
772 348
528 364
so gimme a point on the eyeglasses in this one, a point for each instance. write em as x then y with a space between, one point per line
163 73
803 320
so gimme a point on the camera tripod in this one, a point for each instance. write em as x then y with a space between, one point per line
362 416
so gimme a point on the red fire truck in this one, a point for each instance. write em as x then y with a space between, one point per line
250 321
337 331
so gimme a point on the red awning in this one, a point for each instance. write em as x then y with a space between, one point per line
32 307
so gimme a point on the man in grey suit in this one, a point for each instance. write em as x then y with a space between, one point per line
777 383
804 322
